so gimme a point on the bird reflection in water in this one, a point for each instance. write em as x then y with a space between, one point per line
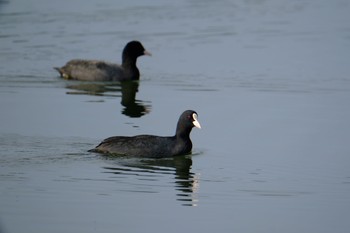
126 90
186 182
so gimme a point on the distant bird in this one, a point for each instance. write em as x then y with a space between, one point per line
95 70
153 146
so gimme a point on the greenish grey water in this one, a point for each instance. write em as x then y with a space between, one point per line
269 80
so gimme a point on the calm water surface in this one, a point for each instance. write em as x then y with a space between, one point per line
269 80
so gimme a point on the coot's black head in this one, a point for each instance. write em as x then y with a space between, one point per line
187 121
133 50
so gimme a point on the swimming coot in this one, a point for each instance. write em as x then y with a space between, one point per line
153 146
95 70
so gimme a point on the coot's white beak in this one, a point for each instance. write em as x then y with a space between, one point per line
147 53
195 122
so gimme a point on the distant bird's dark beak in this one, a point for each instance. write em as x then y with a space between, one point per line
147 53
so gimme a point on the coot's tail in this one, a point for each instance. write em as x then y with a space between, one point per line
59 70
93 150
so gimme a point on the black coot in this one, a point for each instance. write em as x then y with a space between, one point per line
95 70
154 146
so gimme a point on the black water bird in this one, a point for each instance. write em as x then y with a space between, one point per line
153 146
96 70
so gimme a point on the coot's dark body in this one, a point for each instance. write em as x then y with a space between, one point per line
154 146
95 70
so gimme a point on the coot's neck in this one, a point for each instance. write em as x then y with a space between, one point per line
183 141
183 132
129 66
128 58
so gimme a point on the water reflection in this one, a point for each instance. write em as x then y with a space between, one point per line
186 182
132 107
